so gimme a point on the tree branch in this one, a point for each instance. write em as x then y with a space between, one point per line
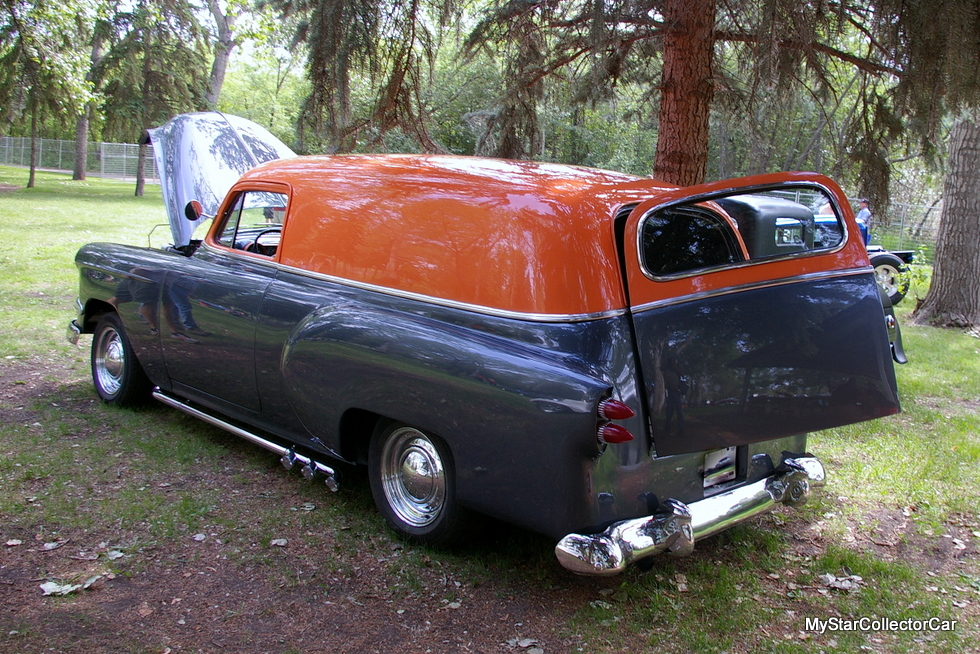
867 65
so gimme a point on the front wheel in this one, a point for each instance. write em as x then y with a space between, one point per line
117 374
891 275
413 483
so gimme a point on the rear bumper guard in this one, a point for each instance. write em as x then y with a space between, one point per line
73 333
676 529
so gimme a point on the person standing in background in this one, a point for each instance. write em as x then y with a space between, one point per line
863 218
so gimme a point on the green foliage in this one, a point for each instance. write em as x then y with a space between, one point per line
266 87
610 135
459 94
390 45
41 69
578 82
154 69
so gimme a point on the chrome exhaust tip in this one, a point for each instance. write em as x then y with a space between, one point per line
288 457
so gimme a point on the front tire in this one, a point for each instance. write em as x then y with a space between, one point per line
413 481
117 374
891 275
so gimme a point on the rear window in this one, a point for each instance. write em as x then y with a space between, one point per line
735 229
683 238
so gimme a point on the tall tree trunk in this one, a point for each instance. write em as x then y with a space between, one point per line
141 170
222 52
953 299
81 144
30 178
686 93
141 160
81 126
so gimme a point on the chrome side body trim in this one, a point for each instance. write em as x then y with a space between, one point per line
288 457
677 528
408 295
809 277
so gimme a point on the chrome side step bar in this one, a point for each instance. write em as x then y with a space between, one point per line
287 456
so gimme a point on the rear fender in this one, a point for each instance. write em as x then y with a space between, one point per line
504 408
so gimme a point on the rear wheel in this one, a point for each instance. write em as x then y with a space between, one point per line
117 374
413 483
891 275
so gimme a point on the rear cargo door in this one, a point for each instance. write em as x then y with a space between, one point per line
756 313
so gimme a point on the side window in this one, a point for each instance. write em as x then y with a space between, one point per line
253 222
232 219
687 237
730 229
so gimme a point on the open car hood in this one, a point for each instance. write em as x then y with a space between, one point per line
200 156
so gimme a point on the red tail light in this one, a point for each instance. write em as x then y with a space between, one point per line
610 433
615 410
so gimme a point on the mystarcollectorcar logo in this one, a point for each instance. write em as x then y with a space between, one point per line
823 625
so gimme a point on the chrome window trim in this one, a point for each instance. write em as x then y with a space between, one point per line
742 190
408 295
455 304
728 290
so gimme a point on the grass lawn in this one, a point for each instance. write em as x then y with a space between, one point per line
180 525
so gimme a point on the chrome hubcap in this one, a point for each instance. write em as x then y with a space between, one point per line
110 361
887 277
413 477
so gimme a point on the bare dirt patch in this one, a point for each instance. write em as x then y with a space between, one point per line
213 592
187 595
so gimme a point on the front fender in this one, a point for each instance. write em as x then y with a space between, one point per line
129 281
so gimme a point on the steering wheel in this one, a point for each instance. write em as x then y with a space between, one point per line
259 248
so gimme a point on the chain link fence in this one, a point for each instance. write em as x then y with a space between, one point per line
910 227
117 160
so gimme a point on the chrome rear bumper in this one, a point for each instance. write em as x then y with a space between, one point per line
676 529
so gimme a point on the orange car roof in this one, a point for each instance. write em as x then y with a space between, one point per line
515 237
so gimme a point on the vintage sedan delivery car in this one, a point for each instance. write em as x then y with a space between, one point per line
623 365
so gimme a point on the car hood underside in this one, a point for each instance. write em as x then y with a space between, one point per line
200 156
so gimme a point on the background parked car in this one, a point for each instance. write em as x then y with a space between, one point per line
891 266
